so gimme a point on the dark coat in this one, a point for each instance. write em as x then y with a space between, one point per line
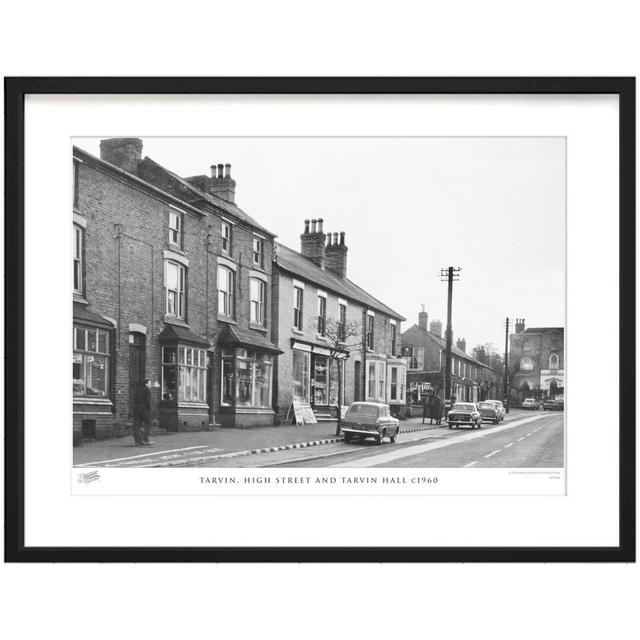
142 403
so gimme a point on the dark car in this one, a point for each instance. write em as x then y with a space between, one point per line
553 405
489 411
464 413
370 420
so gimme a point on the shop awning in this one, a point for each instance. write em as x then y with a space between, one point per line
236 337
82 314
177 333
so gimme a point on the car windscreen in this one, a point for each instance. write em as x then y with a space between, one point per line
463 407
363 410
486 405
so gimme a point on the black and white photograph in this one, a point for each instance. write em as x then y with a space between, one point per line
319 302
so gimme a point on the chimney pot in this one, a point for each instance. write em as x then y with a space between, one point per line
220 170
342 238
213 171
227 170
320 221
313 225
335 238
306 226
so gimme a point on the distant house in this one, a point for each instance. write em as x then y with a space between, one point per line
311 292
536 362
424 350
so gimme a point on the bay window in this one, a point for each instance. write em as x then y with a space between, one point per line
184 373
90 362
246 378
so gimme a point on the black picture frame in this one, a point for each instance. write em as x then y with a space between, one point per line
15 91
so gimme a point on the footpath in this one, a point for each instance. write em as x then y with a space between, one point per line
223 442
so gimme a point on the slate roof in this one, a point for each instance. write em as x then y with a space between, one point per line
235 336
80 312
220 203
173 332
296 264
443 344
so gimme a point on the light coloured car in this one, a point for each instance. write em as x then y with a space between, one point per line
464 413
529 403
489 411
501 410
370 420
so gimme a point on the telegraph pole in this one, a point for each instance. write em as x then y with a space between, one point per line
450 274
505 384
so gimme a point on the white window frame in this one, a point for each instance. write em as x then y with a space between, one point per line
180 293
298 307
554 357
226 237
257 303
227 308
322 317
175 228
78 259
257 251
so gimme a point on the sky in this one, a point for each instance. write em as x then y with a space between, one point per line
495 207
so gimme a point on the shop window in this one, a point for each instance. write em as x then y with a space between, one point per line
298 299
184 373
175 229
175 283
248 374
226 278
301 368
78 259
226 237
90 362
257 293
258 251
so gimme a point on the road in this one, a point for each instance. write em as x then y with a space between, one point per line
524 441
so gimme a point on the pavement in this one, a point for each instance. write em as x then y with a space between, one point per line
170 449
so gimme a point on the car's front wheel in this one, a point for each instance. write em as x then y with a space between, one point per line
392 438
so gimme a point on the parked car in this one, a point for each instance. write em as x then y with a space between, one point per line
553 405
529 403
370 420
501 409
489 411
464 413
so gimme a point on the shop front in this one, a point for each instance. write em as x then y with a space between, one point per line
246 378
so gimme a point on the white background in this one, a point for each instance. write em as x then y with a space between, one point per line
490 38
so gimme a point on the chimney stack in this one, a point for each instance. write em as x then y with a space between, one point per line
519 325
461 343
423 319
122 152
336 254
436 328
312 242
221 183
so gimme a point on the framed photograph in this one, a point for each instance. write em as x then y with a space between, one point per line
320 319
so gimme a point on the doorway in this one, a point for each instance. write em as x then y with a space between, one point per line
137 368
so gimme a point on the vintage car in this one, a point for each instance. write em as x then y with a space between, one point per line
501 409
370 420
464 413
529 403
553 405
489 411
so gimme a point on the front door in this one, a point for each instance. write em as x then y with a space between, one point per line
136 366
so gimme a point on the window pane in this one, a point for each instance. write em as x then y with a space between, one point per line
243 393
78 375
96 375
227 380
181 355
169 382
91 340
189 353
80 339
169 354
262 384
102 342
182 384
300 376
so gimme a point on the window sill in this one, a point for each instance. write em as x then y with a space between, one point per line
78 297
175 248
297 332
104 402
323 338
258 327
227 319
175 320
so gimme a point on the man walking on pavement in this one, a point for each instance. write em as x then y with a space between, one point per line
142 414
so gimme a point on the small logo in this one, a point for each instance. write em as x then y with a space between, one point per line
90 476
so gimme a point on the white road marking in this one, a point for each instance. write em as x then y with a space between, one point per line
506 446
407 452
528 434
520 439
493 453
142 455
471 463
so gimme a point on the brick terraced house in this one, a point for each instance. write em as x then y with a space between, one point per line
171 282
311 294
